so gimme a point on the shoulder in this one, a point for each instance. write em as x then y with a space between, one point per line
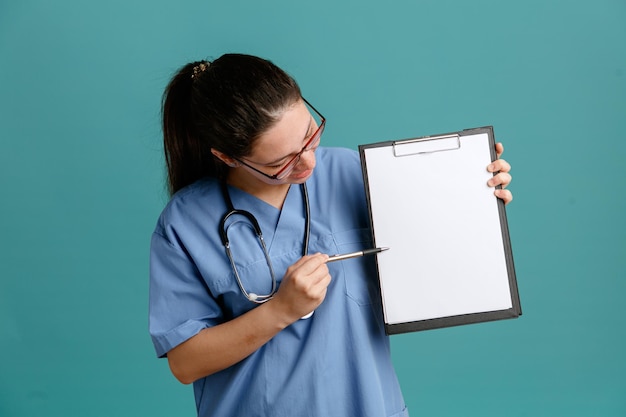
337 154
335 162
196 201
338 180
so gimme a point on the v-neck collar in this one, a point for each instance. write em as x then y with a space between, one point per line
281 228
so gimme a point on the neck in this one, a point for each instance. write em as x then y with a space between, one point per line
273 194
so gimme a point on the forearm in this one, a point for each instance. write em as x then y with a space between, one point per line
302 290
224 345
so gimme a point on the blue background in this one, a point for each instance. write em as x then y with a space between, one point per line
82 183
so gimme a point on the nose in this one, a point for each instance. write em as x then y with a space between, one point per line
307 159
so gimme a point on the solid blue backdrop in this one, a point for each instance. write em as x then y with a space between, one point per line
83 182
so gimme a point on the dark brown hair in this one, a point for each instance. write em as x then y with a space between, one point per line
225 104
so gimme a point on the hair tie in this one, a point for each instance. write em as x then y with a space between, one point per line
200 68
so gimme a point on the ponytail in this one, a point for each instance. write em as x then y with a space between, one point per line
186 156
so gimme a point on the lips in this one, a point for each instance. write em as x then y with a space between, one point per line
304 174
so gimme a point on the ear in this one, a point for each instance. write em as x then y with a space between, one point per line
224 158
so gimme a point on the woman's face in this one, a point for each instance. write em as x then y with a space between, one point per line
283 144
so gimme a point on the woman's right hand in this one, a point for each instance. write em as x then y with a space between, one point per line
303 287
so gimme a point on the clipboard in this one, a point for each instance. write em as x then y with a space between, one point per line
450 260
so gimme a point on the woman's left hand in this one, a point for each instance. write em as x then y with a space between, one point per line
502 177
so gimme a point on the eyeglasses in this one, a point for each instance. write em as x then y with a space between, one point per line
311 144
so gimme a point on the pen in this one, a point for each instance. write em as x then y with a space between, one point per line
355 254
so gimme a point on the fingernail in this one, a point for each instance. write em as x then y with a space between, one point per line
490 167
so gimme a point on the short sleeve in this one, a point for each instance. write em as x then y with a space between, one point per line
180 302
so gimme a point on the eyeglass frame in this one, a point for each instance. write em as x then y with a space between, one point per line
315 138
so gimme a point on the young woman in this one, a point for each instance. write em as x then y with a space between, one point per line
242 301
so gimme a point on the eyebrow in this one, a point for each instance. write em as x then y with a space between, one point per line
306 136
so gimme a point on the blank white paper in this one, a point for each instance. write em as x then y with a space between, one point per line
440 220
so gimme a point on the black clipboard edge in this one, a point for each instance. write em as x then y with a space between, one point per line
516 309
504 226
451 321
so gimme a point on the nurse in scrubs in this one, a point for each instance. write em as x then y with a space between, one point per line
242 302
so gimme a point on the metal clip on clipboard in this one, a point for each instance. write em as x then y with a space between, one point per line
426 145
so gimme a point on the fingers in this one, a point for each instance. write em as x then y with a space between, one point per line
309 267
504 195
499 149
499 165
502 176
312 273
304 286
503 179
310 262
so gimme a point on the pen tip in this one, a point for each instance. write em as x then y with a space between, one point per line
384 249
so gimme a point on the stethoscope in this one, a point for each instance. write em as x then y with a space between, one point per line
260 298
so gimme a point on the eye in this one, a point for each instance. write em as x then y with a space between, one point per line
312 130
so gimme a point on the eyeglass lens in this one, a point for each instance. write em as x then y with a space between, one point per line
312 144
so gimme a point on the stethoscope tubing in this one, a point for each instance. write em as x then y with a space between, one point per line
259 298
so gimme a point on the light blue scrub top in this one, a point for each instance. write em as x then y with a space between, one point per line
337 363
